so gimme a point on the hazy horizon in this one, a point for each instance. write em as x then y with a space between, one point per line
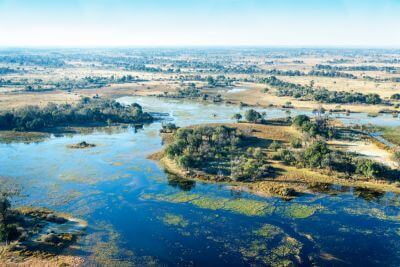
194 23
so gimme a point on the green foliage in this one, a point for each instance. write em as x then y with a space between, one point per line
237 117
313 128
369 169
33 118
287 157
395 97
316 155
169 128
296 143
219 151
252 115
299 120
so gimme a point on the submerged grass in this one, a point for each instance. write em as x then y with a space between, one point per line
373 213
268 231
243 206
175 220
272 247
22 137
299 211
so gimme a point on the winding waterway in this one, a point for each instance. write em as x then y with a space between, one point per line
139 214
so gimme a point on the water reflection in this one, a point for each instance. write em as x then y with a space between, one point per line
368 194
178 182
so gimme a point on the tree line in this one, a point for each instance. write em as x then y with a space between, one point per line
33 118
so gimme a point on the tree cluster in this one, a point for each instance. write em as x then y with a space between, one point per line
220 151
33 118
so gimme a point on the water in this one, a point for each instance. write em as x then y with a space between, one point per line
139 214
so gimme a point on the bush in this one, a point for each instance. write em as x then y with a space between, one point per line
315 156
252 116
369 169
275 146
296 143
287 157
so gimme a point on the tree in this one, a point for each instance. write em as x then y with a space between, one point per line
315 155
237 117
299 120
368 168
210 81
252 116
7 192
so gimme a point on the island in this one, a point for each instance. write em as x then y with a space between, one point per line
279 157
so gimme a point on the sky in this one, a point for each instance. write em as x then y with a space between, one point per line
141 23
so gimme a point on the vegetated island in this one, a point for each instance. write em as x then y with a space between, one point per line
81 145
37 236
89 111
282 157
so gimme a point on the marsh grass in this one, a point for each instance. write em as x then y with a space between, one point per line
242 206
299 211
174 220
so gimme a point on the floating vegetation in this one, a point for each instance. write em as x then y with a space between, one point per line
275 248
176 220
299 211
81 145
268 231
9 137
243 206
105 249
180 197
248 207
209 203
373 213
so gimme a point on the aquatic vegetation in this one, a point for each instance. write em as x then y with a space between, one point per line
299 211
276 248
176 220
247 207
81 145
105 248
268 231
209 203
9 137
243 206
372 212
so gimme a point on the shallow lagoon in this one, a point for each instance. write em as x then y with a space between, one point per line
138 214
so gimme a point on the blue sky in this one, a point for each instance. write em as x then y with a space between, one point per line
80 23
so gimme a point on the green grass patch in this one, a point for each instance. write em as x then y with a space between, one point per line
175 220
243 206
392 134
299 211
268 231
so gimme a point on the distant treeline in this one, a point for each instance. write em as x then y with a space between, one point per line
33 118
355 68
323 95
34 60
331 74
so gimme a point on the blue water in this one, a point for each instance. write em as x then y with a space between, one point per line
106 185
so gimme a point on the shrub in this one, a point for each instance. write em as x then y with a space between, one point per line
369 169
315 155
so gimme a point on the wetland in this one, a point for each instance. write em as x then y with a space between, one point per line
137 213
